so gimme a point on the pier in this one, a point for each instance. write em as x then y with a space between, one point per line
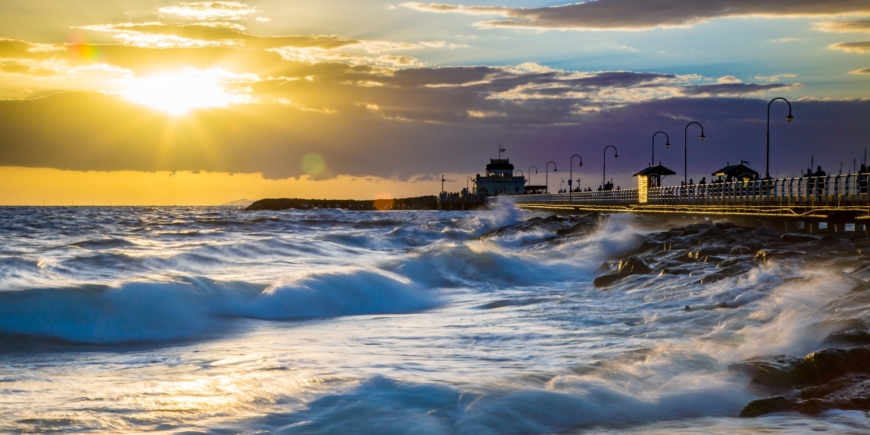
829 204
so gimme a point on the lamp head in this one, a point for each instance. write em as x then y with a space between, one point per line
581 164
789 118
616 156
667 144
703 137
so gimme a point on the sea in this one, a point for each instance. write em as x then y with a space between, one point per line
217 320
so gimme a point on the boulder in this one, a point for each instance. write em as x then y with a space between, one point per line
797 238
741 250
770 405
629 266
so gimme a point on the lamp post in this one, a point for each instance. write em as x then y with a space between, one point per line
667 145
466 184
788 118
686 147
571 174
442 184
604 172
530 173
562 186
547 174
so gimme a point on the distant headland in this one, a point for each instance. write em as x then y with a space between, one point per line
416 203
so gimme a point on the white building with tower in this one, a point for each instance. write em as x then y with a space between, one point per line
499 180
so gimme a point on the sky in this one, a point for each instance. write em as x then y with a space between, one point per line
200 103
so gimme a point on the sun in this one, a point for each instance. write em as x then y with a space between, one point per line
179 93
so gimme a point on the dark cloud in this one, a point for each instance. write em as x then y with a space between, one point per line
82 131
223 33
726 89
853 47
648 14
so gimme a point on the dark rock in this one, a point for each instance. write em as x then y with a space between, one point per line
741 250
770 405
606 280
766 232
711 259
630 266
855 396
675 271
765 255
825 365
687 308
725 225
820 391
797 238
774 373
852 337
633 266
729 262
815 406
727 272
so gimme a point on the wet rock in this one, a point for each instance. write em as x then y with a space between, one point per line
828 364
815 406
675 271
741 250
773 373
829 245
765 255
854 396
727 272
606 280
765 232
630 266
725 225
797 238
729 262
852 337
770 405
633 266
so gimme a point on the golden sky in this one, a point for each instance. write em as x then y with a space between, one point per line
100 101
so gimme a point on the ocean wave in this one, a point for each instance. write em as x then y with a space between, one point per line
195 307
387 406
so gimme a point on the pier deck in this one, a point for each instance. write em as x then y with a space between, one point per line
813 204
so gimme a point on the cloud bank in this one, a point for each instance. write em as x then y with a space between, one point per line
648 14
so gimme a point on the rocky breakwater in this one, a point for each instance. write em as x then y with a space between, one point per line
835 377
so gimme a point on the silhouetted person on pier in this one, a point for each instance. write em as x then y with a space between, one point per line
862 179
703 181
600 188
820 181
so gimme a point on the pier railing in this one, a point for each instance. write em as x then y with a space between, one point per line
831 190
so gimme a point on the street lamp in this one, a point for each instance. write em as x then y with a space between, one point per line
604 172
547 173
571 173
788 118
667 145
562 186
530 173
442 184
686 147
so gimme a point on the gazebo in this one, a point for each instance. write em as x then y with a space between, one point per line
736 172
650 177
654 175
